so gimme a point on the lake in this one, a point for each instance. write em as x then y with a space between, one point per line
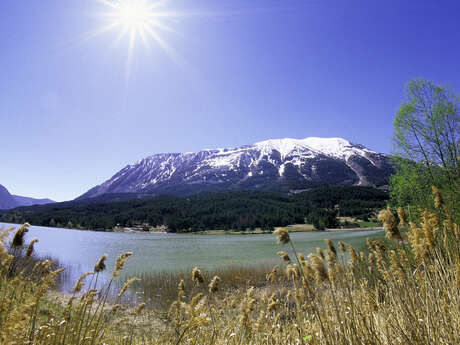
79 250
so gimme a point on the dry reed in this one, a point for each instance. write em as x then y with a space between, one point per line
403 291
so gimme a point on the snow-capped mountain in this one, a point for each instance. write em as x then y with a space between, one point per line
286 165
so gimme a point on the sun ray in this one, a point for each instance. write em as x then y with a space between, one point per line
109 3
166 48
143 22
132 38
144 38
138 17
162 26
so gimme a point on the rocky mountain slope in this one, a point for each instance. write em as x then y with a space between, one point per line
286 165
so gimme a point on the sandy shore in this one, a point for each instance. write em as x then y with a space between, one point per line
230 232
355 229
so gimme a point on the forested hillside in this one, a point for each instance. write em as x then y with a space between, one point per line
229 210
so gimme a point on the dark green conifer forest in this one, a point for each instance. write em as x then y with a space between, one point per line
229 210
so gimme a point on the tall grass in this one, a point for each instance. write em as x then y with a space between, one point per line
405 290
159 289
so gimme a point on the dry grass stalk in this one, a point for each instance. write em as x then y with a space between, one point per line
127 285
389 224
284 256
282 236
30 247
197 277
18 238
401 292
100 265
121 260
214 285
80 282
402 217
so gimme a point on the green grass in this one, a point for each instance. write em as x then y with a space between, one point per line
369 224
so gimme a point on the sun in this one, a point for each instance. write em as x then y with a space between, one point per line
133 15
137 19
137 15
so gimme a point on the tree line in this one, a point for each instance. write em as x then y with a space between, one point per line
238 210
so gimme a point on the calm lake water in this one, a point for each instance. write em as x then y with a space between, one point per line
79 250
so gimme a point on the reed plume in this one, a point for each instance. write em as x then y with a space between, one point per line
30 247
18 238
273 303
392 295
308 270
417 240
272 275
330 246
429 229
282 236
320 252
197 277
378 245
121 260
291 272
354 258
100 265
127 285
402 216
139 308
317 263
284 256
181 285
438 201
214 285
80 282
331 253
195 300
389 224
331 275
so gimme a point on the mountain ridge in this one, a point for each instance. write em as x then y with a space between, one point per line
9 201
284 165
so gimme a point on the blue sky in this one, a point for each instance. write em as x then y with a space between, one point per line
73 111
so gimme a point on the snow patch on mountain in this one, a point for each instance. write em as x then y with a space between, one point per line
267 164
334 147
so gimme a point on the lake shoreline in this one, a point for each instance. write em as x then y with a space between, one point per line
220 232
230 233
377 228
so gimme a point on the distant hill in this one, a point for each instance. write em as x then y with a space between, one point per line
26 201
276 165
9 201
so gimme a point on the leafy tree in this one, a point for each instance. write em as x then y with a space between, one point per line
323 219
427 139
